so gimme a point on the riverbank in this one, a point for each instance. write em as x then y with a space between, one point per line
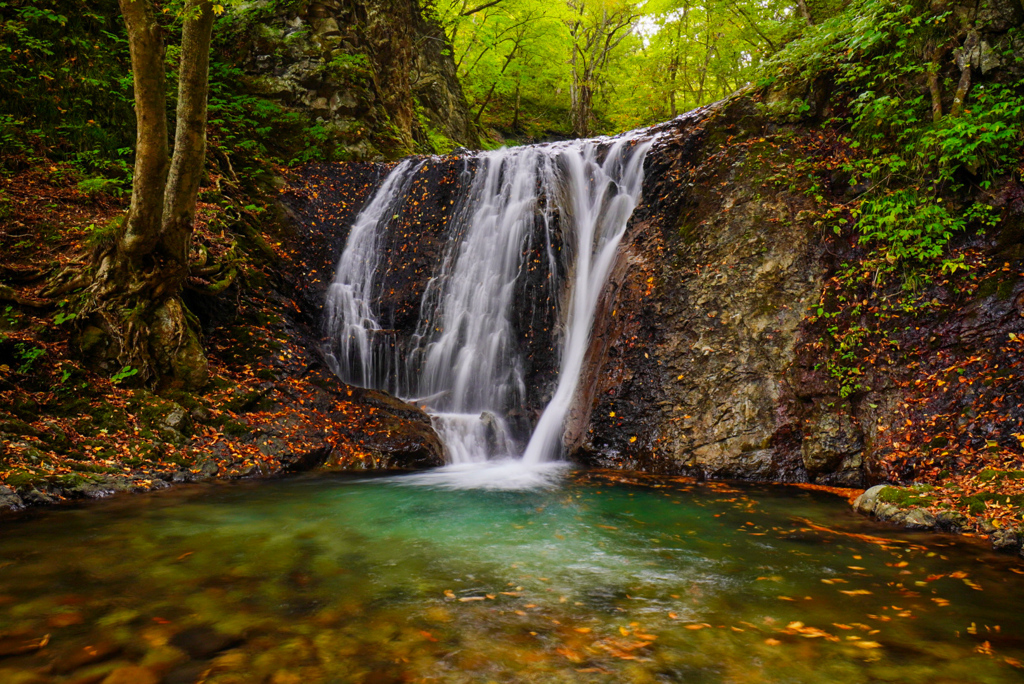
68 432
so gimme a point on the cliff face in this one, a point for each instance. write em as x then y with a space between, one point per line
737 343
372 78
688 363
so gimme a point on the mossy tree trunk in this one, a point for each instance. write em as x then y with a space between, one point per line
136 294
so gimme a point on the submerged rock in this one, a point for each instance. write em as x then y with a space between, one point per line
95 652
132 674
203 641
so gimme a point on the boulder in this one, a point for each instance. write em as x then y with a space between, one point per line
9 499
834 435
868 501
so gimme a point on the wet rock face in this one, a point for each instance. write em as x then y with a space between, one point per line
708 312
833 444
374 76
324 201
9 499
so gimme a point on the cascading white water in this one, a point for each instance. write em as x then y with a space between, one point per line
463 363
465 348
601 198
348 311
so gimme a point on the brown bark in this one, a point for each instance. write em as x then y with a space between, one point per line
957 108
935 55
145 40
136 293
964 59
805 12
190 135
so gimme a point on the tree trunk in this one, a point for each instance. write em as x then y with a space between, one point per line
135 305
190 136
145 41
515 116
934 55
582 110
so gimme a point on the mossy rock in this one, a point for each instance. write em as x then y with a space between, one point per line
162 416
916 495
18 427
244 402
993 475
976 504
22 479
234 428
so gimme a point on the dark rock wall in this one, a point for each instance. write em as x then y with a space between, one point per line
687 367
707 360
374 77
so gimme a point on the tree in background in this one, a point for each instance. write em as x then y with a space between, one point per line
598 66
135 295
692 52
508 53
596 29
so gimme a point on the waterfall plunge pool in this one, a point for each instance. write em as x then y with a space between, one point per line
557 576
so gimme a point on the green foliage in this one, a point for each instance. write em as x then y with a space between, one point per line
985 140
439 142
517 59
65 89
123 374
98 236
919 170
28 355
354 67
907 226
98 185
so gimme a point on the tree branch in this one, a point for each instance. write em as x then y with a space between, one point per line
479 8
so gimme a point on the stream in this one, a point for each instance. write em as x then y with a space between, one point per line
543 574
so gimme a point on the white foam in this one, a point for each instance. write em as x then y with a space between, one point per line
503 474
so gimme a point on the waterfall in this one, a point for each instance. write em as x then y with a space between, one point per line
465 361
600 198
348 311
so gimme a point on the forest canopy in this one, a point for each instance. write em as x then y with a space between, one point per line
533 68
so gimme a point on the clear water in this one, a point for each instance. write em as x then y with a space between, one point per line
571 577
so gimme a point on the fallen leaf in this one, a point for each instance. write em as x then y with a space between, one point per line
868 644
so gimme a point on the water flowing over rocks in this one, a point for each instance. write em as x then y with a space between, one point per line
527 239
701 358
